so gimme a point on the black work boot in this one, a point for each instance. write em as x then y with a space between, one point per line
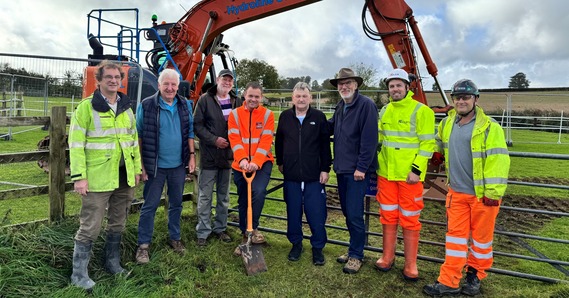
318 257
438 289
295 251
81 257
472 285
112 253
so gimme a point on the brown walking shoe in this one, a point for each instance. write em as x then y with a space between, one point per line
142 255
258 238
343 259
237 251
177 246
201 242
352 266
223 236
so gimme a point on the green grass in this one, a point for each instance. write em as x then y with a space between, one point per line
35 261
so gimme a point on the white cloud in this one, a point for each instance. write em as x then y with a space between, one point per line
485 40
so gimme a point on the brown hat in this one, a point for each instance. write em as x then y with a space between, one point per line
346 73
225 72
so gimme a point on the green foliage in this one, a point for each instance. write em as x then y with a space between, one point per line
367 72
289 82
519 81
35 84
435 87
36 262
258 71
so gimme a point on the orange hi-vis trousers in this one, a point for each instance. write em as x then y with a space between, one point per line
400 203
467 217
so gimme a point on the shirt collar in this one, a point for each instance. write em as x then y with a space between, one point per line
107 100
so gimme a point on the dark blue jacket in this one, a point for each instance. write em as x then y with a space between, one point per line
354 127
151 126
303 150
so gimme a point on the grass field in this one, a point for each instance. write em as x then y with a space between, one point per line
35 260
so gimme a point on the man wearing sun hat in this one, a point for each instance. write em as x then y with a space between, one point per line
354 126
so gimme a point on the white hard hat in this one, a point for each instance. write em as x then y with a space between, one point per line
398 73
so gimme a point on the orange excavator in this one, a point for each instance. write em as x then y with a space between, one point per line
190 44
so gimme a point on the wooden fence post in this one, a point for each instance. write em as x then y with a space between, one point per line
57 129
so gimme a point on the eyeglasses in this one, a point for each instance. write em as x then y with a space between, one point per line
109 77
345 83
463 97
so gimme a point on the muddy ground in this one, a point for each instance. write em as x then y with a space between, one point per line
508 220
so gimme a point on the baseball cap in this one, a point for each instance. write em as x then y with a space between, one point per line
226 72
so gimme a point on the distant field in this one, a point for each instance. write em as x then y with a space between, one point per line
556 101
545 101
528 102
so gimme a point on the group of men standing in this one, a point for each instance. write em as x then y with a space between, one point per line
111 151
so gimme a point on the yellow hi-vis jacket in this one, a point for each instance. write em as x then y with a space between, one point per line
490 157
407 137
98 138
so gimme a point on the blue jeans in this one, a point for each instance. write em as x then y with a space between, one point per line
310 197
175 178
352 195
258 193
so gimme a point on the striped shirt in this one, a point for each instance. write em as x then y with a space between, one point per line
225 104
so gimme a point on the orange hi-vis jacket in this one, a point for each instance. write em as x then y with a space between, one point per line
251 135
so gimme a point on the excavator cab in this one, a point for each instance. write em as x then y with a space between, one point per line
127 44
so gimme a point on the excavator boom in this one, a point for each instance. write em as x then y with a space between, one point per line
191 42
200 26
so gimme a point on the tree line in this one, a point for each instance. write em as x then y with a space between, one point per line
34 84
261 71
247 70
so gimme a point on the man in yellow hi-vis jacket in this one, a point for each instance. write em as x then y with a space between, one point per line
105 167
477 165
407 138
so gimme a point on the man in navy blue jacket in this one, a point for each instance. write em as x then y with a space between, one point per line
166 139
302 147
354 126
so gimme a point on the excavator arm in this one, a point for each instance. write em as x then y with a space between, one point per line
199 28
393 19
195 35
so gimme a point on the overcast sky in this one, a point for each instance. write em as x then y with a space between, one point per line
485 40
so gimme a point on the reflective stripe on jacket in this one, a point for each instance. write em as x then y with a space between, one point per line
490 157
251 135
407 137
97 139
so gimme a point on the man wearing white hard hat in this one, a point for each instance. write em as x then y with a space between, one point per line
407 137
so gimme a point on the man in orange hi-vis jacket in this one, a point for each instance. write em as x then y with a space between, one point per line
251 129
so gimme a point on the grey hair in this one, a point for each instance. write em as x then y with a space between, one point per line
170 73
301 86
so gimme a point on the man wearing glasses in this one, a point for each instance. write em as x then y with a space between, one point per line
105 167
354 126
407 135
477 163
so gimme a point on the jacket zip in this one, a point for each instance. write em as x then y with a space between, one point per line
250 134
300 145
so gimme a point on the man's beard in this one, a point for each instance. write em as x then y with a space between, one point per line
350 95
